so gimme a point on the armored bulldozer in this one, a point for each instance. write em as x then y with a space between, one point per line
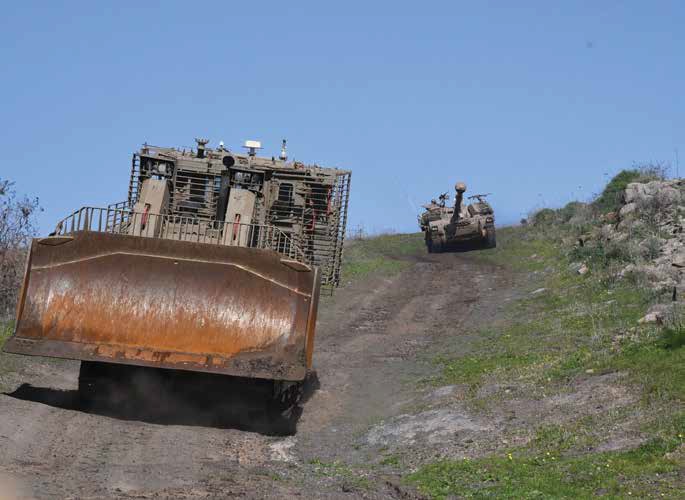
213 263
458 227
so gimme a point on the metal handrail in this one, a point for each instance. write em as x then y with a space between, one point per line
175 227
122 205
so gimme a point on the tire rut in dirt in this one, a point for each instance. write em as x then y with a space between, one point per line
367 357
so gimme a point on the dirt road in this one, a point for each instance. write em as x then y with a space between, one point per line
376 342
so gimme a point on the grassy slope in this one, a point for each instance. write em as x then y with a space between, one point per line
381 255
579 326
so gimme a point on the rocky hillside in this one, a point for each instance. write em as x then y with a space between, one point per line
636 237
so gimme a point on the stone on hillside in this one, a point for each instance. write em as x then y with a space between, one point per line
672 227
656 314
664 274
666 193
672 245
652 246
669 196
648 318
610 218
627 270
653 187
634 191
608 232
627 209
678 259
574 266
658 277
583 270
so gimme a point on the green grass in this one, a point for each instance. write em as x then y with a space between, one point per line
473 369
341 471
381 255
568 328
641 473
518 251
5 331
658 366
392 460
6 363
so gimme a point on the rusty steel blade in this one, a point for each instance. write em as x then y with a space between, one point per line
166 303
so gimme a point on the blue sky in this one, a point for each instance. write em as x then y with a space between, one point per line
535 102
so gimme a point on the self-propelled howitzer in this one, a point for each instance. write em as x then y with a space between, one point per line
458 227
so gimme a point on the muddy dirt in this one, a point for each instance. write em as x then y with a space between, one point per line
377 339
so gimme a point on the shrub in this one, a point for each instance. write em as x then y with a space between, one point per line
610 198
651 247
544 216
587 253
673 337
605 253
571 210
619 251
652 172
16 228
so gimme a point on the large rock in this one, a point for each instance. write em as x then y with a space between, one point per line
630 268
668 196
652 208
635 191
678 257
666 192
658 277
627 209
653 187
652 247
665 275
658 313
609 233
650 318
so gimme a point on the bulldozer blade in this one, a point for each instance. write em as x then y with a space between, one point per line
165 303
